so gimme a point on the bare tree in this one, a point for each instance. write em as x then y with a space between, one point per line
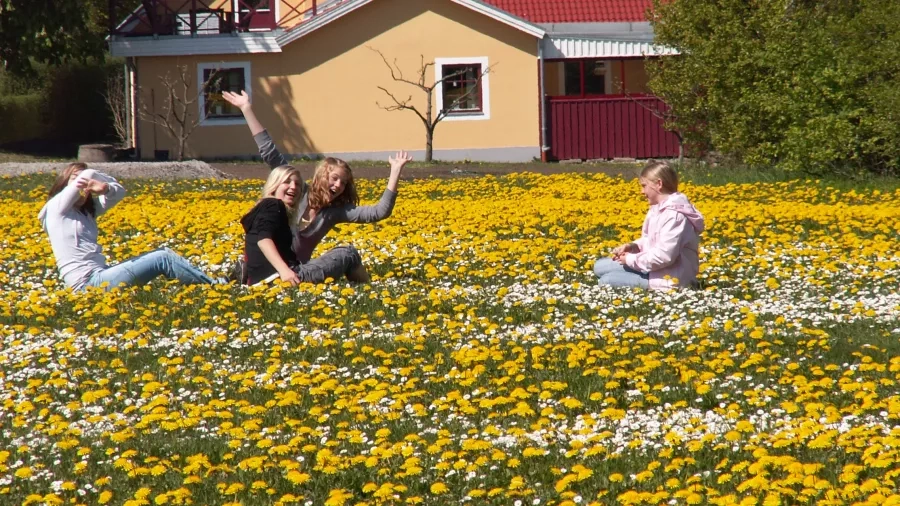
428 121
175 115
118 105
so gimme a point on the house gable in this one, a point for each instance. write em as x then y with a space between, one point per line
350 6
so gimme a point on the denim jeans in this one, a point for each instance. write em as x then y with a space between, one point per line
334 264
143 268
613 273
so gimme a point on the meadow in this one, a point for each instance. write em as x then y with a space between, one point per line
482 365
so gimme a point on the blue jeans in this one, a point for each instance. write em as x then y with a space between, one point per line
613 273
143 268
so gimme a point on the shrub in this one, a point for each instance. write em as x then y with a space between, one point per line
22 115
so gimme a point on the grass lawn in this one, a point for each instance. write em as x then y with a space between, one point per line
482 365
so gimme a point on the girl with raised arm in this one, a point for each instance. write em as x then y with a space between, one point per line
78 196
268 237
332 197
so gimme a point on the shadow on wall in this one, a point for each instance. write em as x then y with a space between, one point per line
294 136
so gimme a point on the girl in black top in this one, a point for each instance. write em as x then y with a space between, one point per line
268 236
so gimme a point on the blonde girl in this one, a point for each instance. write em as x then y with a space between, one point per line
331 197
666 255
268 236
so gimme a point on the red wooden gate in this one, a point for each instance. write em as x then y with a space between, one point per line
609 127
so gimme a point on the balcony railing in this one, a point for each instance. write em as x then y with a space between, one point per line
205 17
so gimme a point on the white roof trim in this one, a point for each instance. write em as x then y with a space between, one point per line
179 45
503 17
319 21
583 47
351 5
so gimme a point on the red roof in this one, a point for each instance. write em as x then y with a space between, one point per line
575 11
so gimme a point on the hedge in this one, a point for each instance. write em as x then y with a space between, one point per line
20 118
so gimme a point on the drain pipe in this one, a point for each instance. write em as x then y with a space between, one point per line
545 143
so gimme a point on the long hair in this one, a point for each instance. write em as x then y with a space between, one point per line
320 195
279 175
62 180
662 171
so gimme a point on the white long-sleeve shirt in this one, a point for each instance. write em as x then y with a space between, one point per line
73 234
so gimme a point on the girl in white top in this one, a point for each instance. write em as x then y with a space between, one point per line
69 217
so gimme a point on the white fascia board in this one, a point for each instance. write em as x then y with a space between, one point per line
503 17
580 47
181 45
319 21
475 5
638 31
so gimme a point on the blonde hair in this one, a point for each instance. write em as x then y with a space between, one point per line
661 171
279 175
320 195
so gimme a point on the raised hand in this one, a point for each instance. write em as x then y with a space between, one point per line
240 101
399 160
97 187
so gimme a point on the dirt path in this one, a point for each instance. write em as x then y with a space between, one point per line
258 170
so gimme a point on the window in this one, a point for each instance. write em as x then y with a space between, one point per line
219 77
465 92
461 88
584 77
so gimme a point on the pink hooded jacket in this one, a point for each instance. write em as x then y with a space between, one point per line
669 243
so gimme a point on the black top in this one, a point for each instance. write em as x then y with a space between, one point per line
267 220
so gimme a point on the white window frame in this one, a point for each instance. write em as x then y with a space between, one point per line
485 112
201 102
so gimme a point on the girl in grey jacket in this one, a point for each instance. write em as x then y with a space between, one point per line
331 197
69 217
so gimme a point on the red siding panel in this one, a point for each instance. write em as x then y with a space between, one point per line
604 128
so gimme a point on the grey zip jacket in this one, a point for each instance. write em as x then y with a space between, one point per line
73 234
306 240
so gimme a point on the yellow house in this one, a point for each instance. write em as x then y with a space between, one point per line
318 81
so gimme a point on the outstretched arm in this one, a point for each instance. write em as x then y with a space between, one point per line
397 162
267 149
242 102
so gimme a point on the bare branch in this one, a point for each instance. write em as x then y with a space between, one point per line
118 105
395 72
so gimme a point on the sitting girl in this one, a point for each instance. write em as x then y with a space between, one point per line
666 254
332 197
69 217
268 237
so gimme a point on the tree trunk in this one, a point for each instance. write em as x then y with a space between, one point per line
429 127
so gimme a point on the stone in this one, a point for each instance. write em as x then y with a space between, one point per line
96 153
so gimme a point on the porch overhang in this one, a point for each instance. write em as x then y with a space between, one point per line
589 47
601 40
176 45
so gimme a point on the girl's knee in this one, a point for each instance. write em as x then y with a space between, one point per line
604 266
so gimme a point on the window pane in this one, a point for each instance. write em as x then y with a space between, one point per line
594 77
461 88
572 78
218 81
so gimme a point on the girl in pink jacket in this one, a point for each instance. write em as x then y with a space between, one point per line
666 255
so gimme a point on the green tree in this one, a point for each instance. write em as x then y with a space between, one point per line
806 85
53 31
